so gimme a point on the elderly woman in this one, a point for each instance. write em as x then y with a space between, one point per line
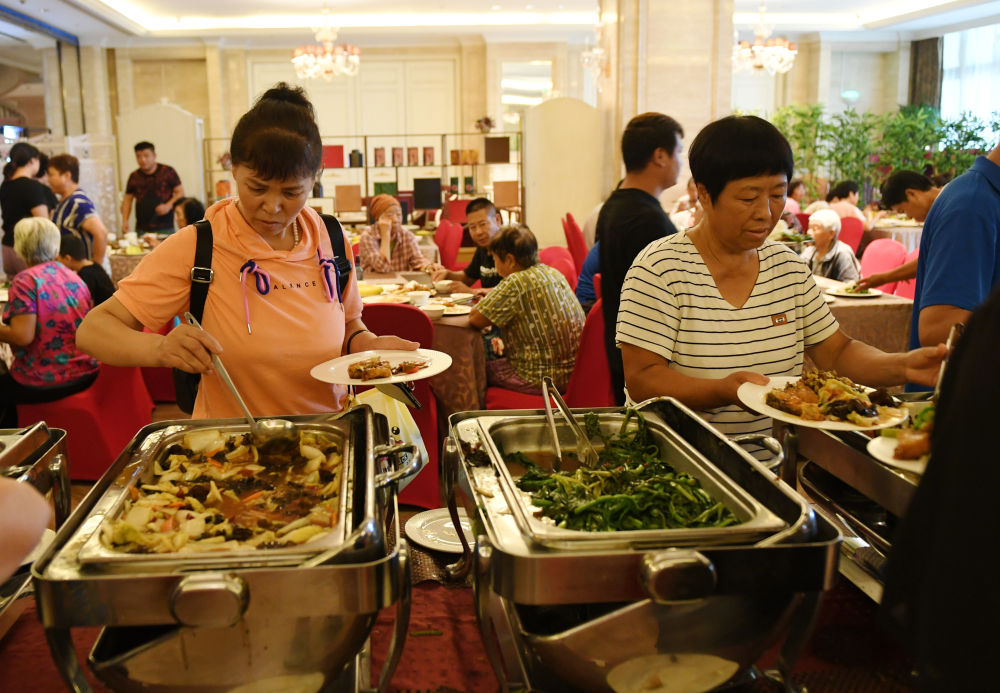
386 246
275 307
538 312
46 304
828 257
704 312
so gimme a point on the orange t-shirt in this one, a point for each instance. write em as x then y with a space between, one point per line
294 325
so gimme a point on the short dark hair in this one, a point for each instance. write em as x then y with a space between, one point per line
481 203
737 147
43 164
20 154
841 190
73 246
194 210
64 163
516 240
646 133
278 138
144 145
895 186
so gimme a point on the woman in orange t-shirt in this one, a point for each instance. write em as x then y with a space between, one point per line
273 309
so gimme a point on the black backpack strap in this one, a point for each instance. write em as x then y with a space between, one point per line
201 272
340 258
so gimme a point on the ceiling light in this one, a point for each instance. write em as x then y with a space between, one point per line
326 58
775 55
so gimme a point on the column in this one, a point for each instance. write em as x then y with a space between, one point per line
95 92
53 91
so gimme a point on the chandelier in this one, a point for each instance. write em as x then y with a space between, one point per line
326 58
775 55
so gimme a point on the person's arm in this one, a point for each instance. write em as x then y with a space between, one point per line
372 259
126 210
866 364
112 335
935 323
478 320
99 233
363 339
649 375
908 270
445 274
23 517
21 331
168 206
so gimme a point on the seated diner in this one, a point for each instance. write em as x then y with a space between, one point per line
386 246
827 256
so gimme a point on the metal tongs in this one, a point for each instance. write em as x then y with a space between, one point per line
956 331
584 450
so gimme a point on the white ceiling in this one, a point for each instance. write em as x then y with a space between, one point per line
388 22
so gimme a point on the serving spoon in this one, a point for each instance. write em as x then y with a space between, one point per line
262 430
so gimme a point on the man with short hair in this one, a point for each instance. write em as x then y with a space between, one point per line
71 254
912 194
155 188
483 221
75 214
632 217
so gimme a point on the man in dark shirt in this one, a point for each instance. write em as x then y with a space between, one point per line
484 221
632 216
155 188
73 254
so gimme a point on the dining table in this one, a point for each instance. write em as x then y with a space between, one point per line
123 264
878 319
906 232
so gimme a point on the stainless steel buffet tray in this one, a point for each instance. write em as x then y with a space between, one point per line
139 470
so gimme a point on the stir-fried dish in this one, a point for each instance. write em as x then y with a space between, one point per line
631 488
825 396
377 367
853 288
914 440
219 491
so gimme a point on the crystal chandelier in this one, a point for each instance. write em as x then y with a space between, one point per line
775 55
326 58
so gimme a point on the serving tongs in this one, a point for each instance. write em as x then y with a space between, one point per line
584 450
932 396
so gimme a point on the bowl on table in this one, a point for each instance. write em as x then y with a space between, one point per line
443 287
435 311
419 298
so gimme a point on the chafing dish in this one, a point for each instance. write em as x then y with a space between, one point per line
583 614
272 619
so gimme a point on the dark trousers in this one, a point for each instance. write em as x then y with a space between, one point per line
13 393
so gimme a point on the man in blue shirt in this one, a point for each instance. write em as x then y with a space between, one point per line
959 261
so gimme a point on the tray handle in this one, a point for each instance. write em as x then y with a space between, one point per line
677 576
450 459
402 622
409 468
770 443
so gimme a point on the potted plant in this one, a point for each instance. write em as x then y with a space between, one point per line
485 124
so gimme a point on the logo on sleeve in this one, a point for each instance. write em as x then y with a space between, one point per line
779 319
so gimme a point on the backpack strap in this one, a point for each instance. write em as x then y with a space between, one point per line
201 273
336 232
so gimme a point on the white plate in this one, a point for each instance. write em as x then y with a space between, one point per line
460 298
47 536
385 298
433 529
752 395
457 310
828 299
335 370
840 293
882 449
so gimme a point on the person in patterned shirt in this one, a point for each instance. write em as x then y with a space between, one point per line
46 304
155 188
386 246
538 311
75 215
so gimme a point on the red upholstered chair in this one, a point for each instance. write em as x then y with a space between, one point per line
99 422
449 251
589 385
804 220
413 324
441 232
560 258
160 381
851 231
355 249
454 211
597 284
575 242
882 255
908 288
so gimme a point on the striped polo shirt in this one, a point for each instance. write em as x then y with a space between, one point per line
671 307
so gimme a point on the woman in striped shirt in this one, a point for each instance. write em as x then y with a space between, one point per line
703 312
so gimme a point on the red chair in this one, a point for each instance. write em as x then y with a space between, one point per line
804 220
908 288
882 255
575 242
413 324
441 232
355 250
851 231
589 385
560 258
160 381
449 251
454 211
597 284
99 422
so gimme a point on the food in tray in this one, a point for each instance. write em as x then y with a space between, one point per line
218 491
913 441
825 396
378 367
630 489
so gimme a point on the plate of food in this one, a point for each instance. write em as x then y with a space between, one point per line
457 310
385 298
822 399
828 298
852 290
909 447
383 366
461 298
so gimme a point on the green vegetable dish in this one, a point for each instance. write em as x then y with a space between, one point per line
631 488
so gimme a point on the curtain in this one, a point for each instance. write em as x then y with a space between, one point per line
970 79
